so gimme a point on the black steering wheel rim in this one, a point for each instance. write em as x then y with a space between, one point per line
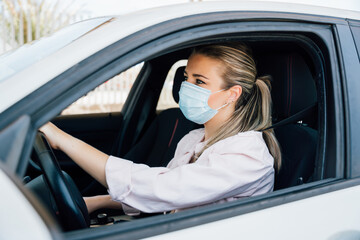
72 210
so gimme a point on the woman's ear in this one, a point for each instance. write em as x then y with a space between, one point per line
235 93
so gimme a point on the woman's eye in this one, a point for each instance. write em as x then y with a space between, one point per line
198 81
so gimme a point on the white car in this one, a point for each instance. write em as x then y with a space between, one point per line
312 53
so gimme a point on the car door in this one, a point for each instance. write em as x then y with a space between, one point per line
310 210
288 211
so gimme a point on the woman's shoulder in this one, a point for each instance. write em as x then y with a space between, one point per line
247 136
251 133
242 142
250 144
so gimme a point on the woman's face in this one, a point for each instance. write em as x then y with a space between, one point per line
206 72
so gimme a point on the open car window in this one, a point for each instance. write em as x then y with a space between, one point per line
294 89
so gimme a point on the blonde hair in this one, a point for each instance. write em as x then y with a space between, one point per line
253 107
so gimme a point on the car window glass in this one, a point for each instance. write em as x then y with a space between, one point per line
19 59
108 97
166 99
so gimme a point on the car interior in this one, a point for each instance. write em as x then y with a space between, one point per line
143 134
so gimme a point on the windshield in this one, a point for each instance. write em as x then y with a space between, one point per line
18 59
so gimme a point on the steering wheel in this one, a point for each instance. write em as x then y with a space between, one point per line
72 210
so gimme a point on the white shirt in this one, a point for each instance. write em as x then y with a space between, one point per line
236 167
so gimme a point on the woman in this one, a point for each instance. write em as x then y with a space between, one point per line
233 156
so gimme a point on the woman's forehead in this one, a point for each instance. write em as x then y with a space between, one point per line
200 64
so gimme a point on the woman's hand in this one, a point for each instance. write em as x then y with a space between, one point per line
52 134
88 158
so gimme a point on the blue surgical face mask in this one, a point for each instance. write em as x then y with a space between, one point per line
194 103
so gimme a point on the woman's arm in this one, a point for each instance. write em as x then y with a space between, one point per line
102 201
87 157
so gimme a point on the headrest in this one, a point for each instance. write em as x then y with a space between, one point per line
293 86
178 79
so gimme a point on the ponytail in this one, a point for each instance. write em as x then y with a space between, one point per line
264 105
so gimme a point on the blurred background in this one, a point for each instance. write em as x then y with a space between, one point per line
23 21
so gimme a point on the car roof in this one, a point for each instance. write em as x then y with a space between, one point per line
56 63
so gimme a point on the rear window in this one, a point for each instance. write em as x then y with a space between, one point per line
18 59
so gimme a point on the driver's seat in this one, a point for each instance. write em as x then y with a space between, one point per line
293 90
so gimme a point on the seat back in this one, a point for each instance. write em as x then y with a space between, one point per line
293 89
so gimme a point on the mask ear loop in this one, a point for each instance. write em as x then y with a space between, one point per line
225 103
222 106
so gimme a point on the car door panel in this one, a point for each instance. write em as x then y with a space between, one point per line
300 217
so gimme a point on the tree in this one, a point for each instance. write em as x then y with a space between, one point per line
22 21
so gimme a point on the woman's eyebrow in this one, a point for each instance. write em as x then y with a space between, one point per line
199 75
196 75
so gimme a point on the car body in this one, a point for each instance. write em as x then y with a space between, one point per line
59 69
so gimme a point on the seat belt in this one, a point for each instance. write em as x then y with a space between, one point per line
296 117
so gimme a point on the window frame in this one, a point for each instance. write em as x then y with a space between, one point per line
349 70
